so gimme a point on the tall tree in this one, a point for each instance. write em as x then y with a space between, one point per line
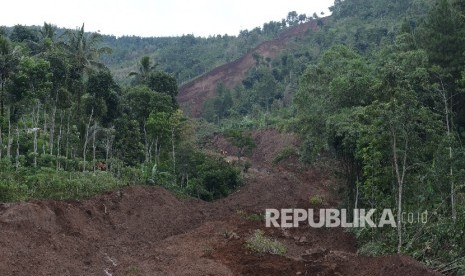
83 51
145 69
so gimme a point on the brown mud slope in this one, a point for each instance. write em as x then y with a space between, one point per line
148 231
193 95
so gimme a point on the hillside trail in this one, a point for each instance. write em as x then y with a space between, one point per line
143 230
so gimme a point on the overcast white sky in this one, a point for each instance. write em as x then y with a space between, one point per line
156 17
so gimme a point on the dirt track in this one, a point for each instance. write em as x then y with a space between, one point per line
148 231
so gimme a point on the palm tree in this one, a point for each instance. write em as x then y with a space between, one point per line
145 68
47 36
83 53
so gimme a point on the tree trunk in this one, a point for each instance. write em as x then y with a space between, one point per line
174 154
67 137
10 139
86 141
94 135
17 148
35 124
59 141
146 145
157 152
52 130
400 170
447 115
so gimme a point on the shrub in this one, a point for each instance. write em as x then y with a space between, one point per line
316 200
261 244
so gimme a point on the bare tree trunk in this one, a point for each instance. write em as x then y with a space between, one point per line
45 126
108 147
35 124
174 154
86 141
447 115
10 139
356 194
157 152
52 130
59 141
150 151
108 144
17 148
146 145
94 135
400 176
67 137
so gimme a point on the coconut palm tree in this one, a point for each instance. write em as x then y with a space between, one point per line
83 52
145 68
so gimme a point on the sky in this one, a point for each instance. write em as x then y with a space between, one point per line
156 17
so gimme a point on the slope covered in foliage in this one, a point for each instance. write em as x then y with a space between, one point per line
379 88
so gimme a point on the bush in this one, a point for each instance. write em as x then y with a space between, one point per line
261 244
315 200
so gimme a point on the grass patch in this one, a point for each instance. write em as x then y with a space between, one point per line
259 243
47 183
315 200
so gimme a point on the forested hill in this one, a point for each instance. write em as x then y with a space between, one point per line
375 92
379 87
188 56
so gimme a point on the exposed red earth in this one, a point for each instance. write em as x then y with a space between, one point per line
144 230
193 94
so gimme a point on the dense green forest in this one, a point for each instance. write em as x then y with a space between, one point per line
377 91
64 120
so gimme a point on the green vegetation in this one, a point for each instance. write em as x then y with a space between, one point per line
187 57
261 244
244 142
315 200
379 86
68 130
389 106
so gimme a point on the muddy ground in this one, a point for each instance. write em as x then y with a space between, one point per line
144 230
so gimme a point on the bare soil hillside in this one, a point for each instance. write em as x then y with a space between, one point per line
193 95
148 231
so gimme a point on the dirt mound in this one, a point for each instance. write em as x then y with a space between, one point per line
80 238
193 95
148 231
